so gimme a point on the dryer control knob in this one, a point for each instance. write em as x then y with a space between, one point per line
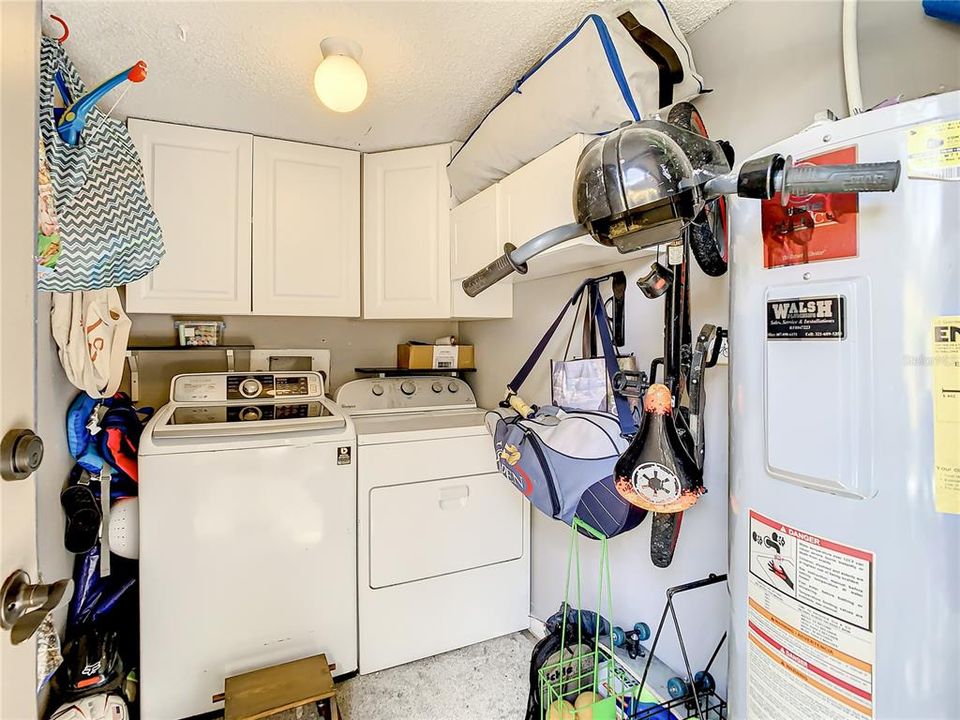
453 387
251 388
437 387
407 387
377 390
251 414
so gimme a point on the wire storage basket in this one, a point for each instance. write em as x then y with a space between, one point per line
575 685
589 678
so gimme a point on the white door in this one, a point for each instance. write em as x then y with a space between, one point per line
19 33
306 229
475 240
406 233
199 182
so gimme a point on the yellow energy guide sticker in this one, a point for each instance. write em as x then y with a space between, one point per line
946 413
933 151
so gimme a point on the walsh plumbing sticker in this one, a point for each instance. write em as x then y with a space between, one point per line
933 151
811 228
807 318
946 413
809 626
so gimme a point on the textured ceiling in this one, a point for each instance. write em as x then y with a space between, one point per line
434 67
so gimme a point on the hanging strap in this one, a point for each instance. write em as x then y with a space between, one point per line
514 385
628 425
624 416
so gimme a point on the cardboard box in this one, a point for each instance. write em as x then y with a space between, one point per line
435 357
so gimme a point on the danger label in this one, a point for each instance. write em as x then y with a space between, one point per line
808 318
810 626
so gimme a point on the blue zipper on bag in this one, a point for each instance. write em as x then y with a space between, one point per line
613 60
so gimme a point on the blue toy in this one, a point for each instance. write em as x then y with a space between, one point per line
702 681
631 640
72 119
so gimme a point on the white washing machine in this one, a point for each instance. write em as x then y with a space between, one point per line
247 535
444 540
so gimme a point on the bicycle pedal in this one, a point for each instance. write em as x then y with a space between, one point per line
630 383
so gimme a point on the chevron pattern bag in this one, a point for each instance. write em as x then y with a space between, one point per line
109 234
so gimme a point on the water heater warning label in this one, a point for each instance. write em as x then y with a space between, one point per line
810 626
946 413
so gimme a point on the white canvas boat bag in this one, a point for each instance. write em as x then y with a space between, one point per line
610 69
91 331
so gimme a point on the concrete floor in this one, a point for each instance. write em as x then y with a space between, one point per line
487 681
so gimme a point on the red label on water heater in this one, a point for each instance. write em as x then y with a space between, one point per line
811 228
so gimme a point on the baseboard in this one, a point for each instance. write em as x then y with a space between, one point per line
537 628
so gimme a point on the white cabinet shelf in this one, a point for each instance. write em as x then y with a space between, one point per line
475 240
531 200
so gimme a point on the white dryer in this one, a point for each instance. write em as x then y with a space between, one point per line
444 540
247 535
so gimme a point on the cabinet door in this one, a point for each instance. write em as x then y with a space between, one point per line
199 182
406 233
306 229
474 241
539 196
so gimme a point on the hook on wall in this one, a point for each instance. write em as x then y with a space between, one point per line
66 30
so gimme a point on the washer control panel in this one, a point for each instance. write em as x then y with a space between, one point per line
420 392
233 386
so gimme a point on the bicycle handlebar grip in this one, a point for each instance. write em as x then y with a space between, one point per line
856 177
493 273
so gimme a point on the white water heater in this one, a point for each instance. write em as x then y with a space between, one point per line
845 432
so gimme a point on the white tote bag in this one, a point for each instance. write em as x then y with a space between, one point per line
91 331
612 68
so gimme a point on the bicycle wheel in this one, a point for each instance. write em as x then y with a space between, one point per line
708 232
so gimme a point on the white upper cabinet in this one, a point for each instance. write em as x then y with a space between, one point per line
306 229
539 197
406 233
199 182
475 240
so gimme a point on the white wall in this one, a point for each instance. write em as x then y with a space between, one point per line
54 394
352 343
502 345
772 66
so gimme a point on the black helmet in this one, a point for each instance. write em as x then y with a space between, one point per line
91 664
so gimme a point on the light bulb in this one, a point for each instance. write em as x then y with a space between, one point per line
340 83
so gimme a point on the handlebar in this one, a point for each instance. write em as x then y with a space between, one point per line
514 259
852 178
764 177
760 178
493 273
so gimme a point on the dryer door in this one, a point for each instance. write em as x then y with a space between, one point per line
421 525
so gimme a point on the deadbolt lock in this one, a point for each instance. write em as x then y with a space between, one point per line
21 452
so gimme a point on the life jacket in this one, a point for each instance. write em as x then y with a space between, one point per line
118 439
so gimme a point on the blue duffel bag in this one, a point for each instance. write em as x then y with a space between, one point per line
562 460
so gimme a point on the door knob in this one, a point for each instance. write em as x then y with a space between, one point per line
21 452
23 606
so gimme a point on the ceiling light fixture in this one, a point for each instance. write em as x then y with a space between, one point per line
339 81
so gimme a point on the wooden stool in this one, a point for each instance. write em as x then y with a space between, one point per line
265 692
